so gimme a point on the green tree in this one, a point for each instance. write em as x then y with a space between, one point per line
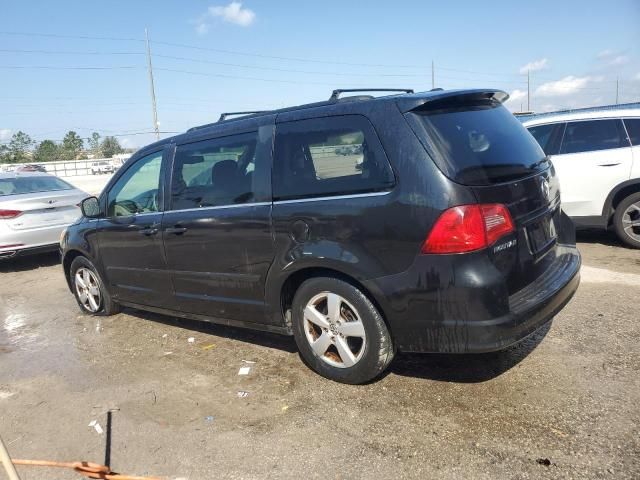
47 151
110 146
4 151
94 145
19 148
72 146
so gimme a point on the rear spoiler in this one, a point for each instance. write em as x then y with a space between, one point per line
410 102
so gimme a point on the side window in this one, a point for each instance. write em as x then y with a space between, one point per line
547 136
328 156
137 190
593 135
633 129
214 172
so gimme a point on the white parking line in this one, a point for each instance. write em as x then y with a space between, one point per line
602 275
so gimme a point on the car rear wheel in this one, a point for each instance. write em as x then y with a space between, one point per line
339 332
89 290
626 220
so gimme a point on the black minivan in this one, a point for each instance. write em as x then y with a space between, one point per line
420 222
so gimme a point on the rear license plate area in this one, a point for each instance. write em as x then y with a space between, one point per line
542 234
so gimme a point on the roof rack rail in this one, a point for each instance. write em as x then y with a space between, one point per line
223 116
336 93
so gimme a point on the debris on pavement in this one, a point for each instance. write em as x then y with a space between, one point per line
208 347
244 370
544 461
191 340
209 418
243 394
96 426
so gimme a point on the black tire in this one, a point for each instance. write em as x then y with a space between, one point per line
106 305
618 223
377 343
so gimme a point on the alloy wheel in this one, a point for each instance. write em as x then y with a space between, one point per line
631 221
334 330
88 289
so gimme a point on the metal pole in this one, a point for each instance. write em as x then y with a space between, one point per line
617 90
528 91
6 461
153 90
433 75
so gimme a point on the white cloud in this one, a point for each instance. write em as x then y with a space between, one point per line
535 66
638 76
611 57
233 13
565 86
619 60
517 95
5 134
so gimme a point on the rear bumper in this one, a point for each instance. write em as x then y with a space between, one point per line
450 309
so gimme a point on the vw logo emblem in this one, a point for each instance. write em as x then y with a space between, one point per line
544 186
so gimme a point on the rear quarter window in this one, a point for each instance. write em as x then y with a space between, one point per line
633 129
328 156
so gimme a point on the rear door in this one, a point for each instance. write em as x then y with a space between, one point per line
129 237
217 230
594 157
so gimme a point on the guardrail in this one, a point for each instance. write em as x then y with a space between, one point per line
68 168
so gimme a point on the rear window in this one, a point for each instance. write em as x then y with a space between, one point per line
22 185
478 143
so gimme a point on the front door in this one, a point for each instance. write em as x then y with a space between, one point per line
217 228
129 237
594 158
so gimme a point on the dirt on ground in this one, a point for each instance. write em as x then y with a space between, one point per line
562 404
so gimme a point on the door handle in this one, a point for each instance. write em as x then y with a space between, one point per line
177 230
149 231
613 164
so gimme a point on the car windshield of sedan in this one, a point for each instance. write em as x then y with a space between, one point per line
23 185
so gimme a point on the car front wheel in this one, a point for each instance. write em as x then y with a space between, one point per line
89 289
626 220
339 332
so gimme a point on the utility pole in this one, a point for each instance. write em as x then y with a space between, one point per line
617 90
528 91
433 75
153 90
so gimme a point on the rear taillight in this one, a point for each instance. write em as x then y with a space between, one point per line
467 228
7 214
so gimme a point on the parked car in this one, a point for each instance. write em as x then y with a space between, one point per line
98 168
34 210
31 167
596 153
449 238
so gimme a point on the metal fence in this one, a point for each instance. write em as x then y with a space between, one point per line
70 168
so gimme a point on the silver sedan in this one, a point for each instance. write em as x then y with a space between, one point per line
34 210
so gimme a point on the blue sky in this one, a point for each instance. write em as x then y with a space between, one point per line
259 54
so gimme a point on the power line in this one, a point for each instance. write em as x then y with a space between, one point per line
83 37
67 52
53 67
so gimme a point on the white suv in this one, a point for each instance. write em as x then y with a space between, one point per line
596 154
101 167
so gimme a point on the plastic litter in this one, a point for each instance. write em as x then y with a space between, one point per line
96 426
209 418
191 340
243 394
208 347
244 370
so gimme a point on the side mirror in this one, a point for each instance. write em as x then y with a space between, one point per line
90 207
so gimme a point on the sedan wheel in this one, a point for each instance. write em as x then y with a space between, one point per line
88 289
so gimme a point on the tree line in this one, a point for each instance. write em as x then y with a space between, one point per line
23 149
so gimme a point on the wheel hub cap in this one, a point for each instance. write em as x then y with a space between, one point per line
88 289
